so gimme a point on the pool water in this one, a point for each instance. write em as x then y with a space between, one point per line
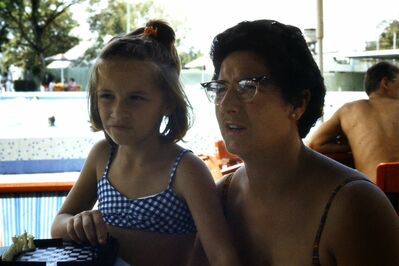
26 115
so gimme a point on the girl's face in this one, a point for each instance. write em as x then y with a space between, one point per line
263 124
130 103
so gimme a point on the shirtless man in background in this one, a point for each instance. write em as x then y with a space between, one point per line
369 128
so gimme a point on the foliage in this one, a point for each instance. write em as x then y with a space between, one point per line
35 29
386 38
111 20
3 31
186 57
32 30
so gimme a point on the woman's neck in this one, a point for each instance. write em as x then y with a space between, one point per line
276 170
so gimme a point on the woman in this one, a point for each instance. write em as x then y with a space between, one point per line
289 205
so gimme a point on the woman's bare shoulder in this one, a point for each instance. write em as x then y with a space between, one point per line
361 213
225 183
357 212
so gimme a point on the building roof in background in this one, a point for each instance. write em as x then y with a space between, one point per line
375 54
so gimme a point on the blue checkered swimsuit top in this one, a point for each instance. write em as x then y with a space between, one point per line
164 212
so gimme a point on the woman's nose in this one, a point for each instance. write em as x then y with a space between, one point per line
230 101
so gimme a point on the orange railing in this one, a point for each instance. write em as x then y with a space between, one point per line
387 175
36 187
388 181
223 162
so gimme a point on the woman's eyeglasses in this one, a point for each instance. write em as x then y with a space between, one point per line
246 89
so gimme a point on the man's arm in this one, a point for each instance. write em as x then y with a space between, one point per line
329 137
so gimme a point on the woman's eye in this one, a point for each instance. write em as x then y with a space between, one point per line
247 85
137 98
217 87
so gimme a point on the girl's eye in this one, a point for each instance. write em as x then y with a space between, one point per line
105 96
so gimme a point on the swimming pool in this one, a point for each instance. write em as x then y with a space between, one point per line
27 139
25 132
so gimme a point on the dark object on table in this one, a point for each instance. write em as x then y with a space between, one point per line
59 252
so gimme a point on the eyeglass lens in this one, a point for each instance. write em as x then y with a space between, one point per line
245 90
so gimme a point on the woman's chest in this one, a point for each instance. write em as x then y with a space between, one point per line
273 235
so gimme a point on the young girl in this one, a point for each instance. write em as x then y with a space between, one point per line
151 192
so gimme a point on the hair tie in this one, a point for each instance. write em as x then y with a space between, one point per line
150 31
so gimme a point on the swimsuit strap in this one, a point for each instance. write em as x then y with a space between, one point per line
174 167
108 165
316 255
225 191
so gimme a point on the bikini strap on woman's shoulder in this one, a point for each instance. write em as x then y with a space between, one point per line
316 244
225 191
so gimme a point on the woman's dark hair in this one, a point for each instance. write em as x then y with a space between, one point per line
376 73
287 56
154 43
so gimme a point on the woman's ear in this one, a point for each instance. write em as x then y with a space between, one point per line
301 104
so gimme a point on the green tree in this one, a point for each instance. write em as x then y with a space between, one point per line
390 33
387 37
3 32
111 20
35 30
192 54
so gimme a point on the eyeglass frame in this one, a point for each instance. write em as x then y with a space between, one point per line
258 80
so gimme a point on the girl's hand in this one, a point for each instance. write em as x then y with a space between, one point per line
87 226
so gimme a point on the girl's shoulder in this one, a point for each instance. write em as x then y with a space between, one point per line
99 154
101 147
190 162
192 173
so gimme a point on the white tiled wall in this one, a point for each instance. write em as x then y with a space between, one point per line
46 148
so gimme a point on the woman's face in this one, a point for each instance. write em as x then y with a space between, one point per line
130 102
263 124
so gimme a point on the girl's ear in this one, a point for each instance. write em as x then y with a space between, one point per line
301 104
168 109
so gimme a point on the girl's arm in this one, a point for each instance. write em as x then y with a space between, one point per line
76 220
198 256
195 183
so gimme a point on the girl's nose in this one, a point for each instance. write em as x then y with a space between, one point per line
119 109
